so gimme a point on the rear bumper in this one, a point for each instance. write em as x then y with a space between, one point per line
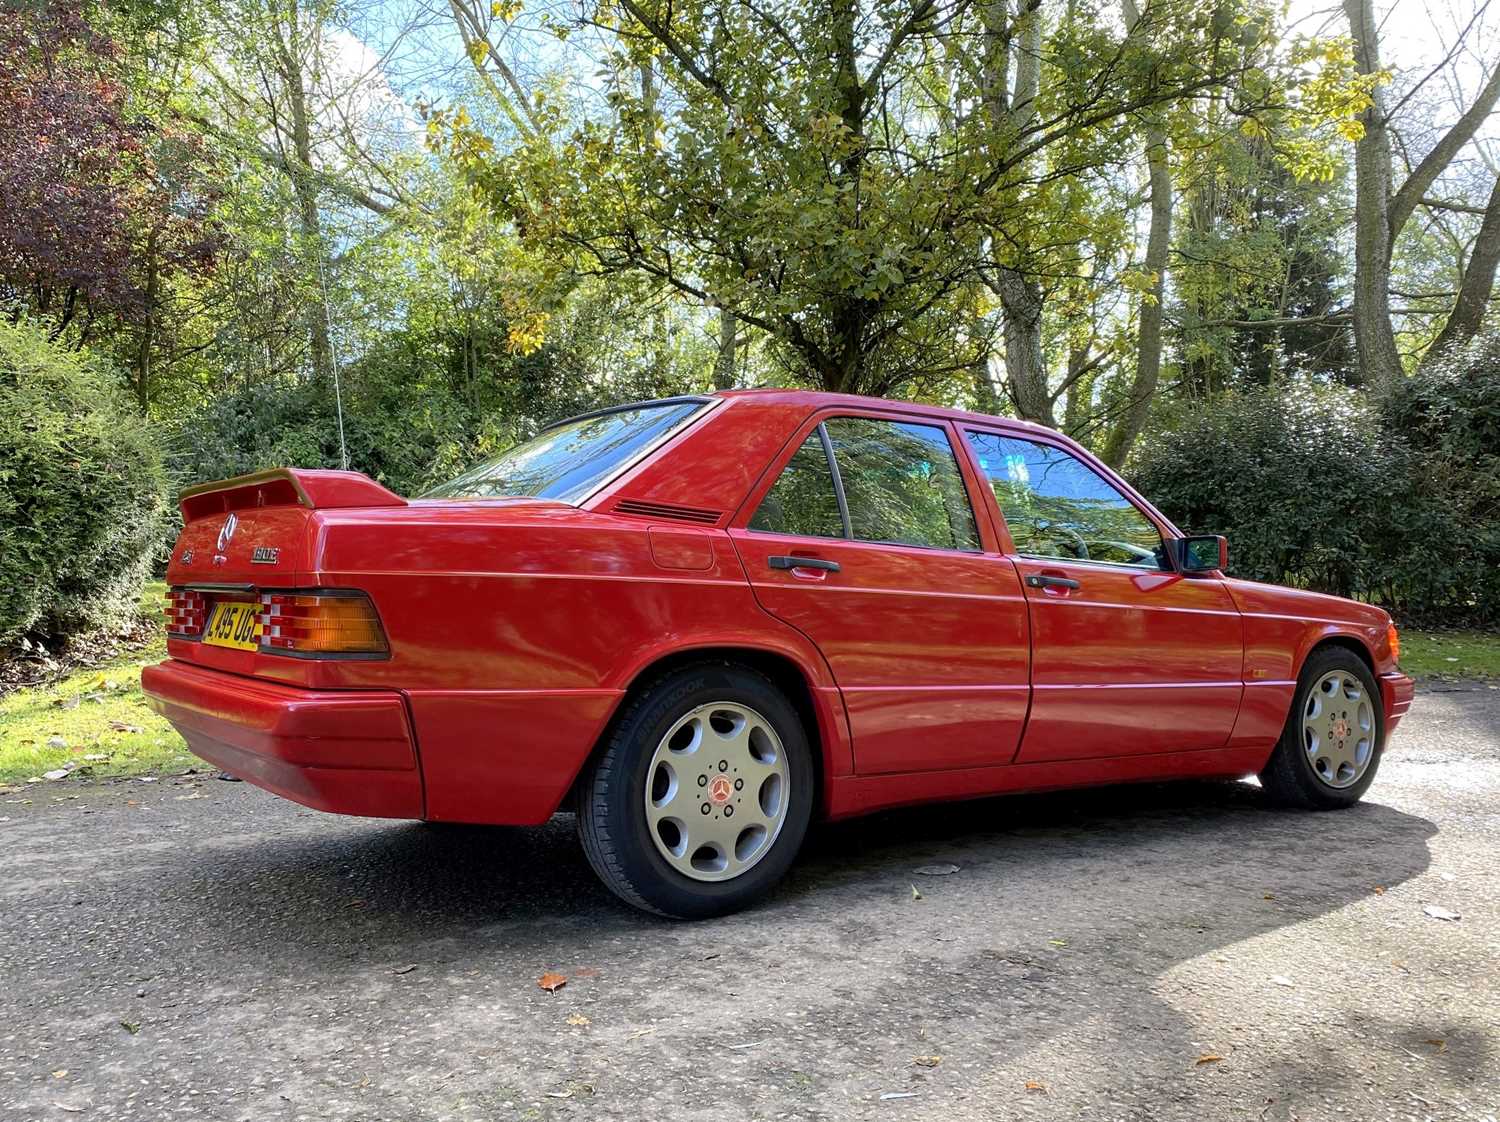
1395 696
345 751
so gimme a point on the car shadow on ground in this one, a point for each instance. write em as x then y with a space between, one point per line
337 879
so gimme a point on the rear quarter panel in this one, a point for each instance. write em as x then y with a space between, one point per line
515 629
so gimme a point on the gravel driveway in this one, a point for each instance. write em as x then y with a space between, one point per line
199 949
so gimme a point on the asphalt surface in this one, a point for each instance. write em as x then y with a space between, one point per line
202 950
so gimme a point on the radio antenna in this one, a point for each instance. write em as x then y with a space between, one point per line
333 351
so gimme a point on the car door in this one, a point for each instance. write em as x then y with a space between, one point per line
1128 656
864 538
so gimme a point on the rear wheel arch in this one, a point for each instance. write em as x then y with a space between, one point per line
783 671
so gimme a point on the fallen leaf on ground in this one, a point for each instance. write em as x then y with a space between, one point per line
898 1095
1209 1058
122 726
1269 896
937 870
552 982
66 703
1283 980
1058 942
578 1019
405 969
927 1061
1429 910
1440 1045
1033 1085
559 1094
62 1071
1380 890
132 1027
915 895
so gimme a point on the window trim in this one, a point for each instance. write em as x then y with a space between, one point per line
799 438
840 496
1163 529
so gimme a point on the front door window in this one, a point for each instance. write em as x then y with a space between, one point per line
1057 506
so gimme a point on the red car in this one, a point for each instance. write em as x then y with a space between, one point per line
701 622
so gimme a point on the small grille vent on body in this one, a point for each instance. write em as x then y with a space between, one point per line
644 509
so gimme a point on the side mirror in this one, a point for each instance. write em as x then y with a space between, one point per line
1202 554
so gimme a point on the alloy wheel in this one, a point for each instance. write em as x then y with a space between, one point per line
717 791
1338 729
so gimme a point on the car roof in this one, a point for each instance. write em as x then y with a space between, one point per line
813 400
821 399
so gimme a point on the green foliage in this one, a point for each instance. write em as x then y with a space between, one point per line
429 399
1319 489
81 492
1449 414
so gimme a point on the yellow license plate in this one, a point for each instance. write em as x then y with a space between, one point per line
234 623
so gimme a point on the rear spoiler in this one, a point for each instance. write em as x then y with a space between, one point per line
316 490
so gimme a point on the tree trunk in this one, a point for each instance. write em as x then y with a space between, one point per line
985 398
304 182
1124 432
1478 283
148 327
1374 340
726 373
1078 405
1025 366
1021 297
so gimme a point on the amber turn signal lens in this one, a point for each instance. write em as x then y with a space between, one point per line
1394 639
316 623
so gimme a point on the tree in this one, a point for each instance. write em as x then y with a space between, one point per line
98 202
825 170
1383 209
1477 282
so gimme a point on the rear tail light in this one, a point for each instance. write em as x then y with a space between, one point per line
321 623
184 610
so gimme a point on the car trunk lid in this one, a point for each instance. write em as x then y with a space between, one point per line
252 534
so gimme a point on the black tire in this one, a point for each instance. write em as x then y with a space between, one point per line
611 820
1289 777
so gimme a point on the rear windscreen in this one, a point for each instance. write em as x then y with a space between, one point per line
573 459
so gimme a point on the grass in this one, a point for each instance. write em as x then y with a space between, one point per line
1450 654
92 722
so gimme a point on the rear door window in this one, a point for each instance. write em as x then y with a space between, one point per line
804 499
901 483
891 482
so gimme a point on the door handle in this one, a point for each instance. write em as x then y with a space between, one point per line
1046 580
779 562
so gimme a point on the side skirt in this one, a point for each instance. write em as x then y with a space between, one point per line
861 794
